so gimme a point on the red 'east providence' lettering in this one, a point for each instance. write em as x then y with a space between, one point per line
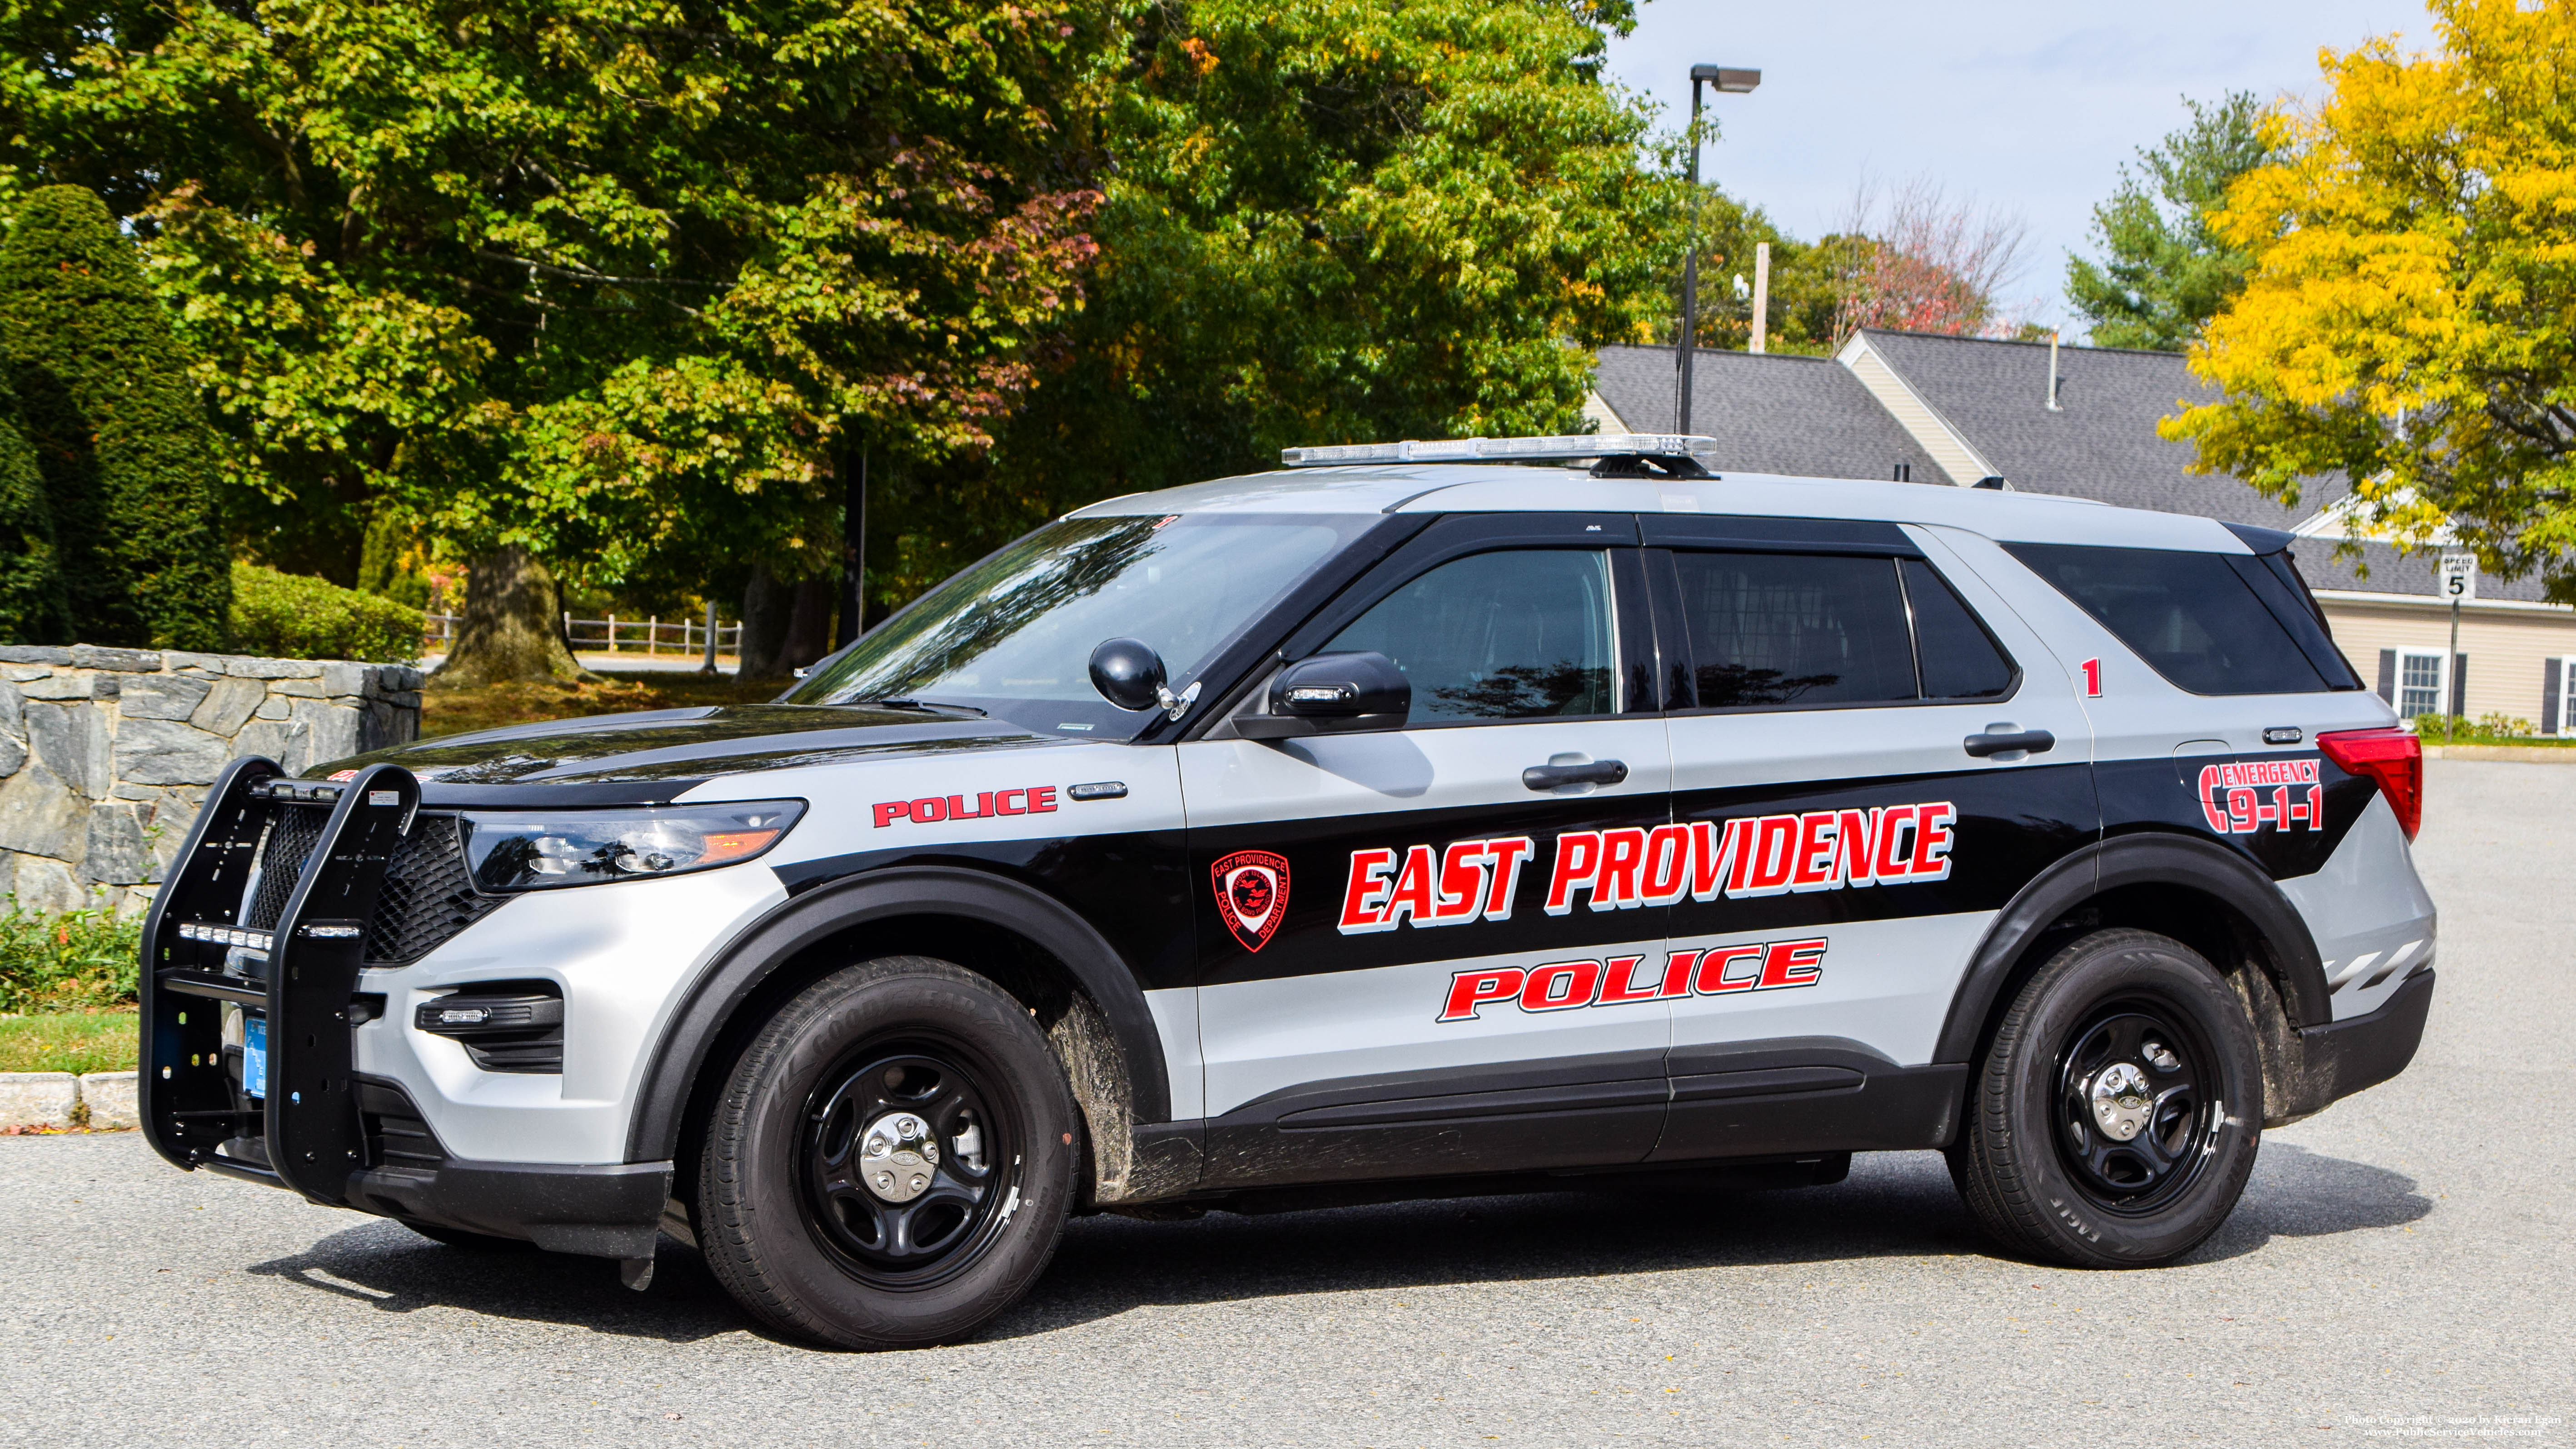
1471 880
931 809
1615 980
1751 855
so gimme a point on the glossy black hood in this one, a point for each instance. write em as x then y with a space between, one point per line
656 754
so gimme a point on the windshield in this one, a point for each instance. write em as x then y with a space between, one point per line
1013 634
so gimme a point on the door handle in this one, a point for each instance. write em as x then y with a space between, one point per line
2034 741
1597 772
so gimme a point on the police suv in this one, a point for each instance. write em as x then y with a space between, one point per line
1421 819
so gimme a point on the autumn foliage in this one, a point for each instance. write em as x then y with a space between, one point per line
2410 317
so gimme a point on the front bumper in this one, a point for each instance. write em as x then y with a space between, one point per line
2328 1063
611 1210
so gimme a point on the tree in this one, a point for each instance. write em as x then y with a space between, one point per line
31 602
2165 271
1327 220
1807 281
1921 262
128 459
582 282
2407 316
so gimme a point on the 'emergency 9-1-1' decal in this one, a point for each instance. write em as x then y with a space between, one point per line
2240 797
1608 870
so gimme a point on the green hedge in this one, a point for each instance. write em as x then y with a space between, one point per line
296 616
64 961
128 459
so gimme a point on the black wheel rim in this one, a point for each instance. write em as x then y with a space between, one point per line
923 1232
2138 1107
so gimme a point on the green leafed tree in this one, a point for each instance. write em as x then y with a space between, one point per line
105 395
31 600
1326 221
2164 269
582 286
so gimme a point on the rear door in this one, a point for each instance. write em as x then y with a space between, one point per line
1410 961
1850 823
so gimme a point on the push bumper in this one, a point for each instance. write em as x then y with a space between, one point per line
2331 1062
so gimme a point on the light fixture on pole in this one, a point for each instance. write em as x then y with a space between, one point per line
1730 79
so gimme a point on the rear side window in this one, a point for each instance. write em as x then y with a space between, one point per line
1960 659
1821 630
2201 619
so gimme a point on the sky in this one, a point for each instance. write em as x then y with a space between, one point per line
2030 107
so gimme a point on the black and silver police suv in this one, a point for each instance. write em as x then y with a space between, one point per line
1420 819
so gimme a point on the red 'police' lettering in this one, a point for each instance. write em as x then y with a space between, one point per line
931 809
1700 971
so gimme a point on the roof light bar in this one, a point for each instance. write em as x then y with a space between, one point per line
1573 448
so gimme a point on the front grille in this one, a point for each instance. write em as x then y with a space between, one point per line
427 897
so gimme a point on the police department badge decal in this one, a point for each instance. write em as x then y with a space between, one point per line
1251 894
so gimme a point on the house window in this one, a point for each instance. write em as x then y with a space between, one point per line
2420 677
2567 695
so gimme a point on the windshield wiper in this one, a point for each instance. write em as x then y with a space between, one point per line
922 704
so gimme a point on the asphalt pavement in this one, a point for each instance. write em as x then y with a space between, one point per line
2400 1269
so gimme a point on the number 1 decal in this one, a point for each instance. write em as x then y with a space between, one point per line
2092 679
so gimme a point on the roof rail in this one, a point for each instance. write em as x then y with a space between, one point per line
1671 448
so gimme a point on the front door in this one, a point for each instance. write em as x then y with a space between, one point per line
1875 756
1417 956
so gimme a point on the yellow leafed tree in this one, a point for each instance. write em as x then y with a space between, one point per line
2411 314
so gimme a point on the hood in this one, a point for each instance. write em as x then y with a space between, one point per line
653 756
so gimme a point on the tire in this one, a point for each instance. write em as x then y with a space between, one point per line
470 1241
921 1078
2123 1031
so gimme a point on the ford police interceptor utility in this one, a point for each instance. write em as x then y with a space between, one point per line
1421 819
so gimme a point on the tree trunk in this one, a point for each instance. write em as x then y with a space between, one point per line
767 608
809 627
511 629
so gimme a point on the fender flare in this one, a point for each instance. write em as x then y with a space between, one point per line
2157 858
679 1055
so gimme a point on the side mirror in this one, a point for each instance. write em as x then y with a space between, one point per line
1332 694
1129 674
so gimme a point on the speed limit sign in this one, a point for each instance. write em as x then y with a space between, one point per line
2459 576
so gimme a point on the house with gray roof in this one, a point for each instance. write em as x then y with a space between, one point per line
2081 421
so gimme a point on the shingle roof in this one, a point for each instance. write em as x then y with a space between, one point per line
1809 416
1802 416
2102 444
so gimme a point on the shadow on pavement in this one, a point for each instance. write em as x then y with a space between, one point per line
2296 1193
1894 1205
392 1269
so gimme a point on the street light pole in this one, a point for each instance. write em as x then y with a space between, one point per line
1725 79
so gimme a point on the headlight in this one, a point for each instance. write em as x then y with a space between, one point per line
524 850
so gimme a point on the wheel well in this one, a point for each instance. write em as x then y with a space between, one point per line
1076 1029
2223 935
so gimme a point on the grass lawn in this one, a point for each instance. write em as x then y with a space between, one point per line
455 711
69 1041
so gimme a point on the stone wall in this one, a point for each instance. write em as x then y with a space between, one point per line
105 754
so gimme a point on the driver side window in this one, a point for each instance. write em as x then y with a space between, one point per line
1514 634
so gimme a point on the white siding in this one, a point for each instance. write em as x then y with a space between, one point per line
1603 417
1935 437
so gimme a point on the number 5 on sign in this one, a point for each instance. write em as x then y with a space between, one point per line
2460 576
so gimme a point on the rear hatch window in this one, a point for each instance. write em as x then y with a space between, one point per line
2212 623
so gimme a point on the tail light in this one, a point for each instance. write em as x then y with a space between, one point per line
2392 757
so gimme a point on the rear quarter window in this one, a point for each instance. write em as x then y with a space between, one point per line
2199 619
